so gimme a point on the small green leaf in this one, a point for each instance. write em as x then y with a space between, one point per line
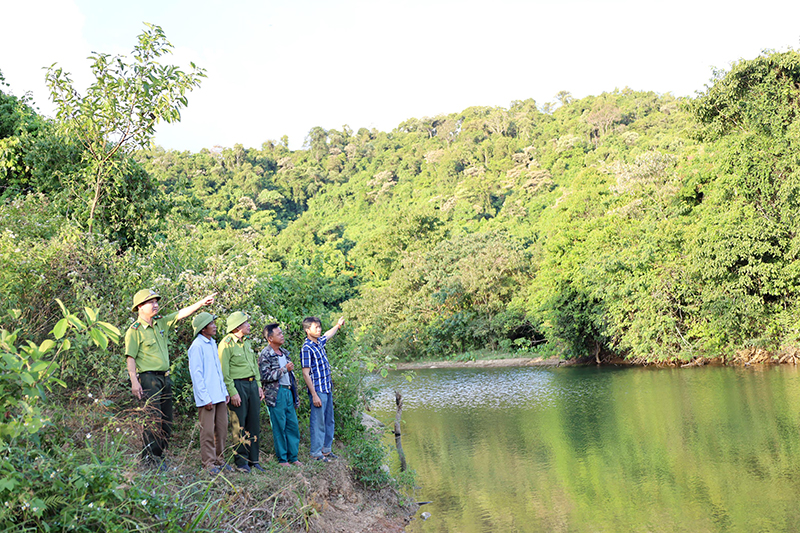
75 321
91 314
61 328
46 345
61 305
109 327
39 367
8 483
99 338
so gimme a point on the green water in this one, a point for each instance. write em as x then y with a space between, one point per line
602 450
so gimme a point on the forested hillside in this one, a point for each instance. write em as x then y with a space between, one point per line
624 224
442 234
630 224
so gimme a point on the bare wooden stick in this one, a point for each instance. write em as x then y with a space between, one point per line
398 398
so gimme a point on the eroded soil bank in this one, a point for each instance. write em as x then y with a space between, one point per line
331 501
316 497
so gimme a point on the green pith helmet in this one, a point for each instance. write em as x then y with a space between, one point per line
142 296
236 319
202 320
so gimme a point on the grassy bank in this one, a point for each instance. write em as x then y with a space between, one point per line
69 455
82 472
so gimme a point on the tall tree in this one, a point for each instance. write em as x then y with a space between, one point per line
750 248
121 108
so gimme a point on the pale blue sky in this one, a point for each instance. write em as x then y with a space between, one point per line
281 68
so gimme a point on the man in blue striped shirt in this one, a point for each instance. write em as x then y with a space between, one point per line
317 375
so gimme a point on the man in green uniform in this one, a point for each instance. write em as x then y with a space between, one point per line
243 381
147 359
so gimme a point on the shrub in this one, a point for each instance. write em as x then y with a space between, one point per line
54 480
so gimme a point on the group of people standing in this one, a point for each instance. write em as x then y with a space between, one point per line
229 382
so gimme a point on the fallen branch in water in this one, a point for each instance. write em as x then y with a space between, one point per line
699 361
398 398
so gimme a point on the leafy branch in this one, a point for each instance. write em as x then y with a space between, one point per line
120 110
27 368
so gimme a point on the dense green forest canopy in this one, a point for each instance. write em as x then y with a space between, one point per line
630 223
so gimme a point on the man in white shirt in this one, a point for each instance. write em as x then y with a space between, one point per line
210 393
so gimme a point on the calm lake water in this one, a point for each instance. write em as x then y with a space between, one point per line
602 450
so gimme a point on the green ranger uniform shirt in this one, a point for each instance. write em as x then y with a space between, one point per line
148 344
238 362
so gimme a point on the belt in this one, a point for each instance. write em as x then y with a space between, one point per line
156 372
251 378
286 386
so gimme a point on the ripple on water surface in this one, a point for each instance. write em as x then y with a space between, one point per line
585 449
496 388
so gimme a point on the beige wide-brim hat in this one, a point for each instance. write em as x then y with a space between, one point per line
202 320
142 296
236 319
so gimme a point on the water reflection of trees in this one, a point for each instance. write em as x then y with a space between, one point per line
706 449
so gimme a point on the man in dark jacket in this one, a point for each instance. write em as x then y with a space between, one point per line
280 394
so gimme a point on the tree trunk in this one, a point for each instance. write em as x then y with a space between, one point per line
97 188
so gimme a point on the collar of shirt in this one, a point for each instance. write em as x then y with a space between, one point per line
281 351
146 325
318 341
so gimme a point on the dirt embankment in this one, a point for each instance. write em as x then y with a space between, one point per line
342 506
316 498
752 356
324 500
313 497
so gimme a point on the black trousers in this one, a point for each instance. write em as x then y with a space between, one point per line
157 394
246 422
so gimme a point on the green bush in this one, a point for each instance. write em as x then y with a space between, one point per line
54 477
